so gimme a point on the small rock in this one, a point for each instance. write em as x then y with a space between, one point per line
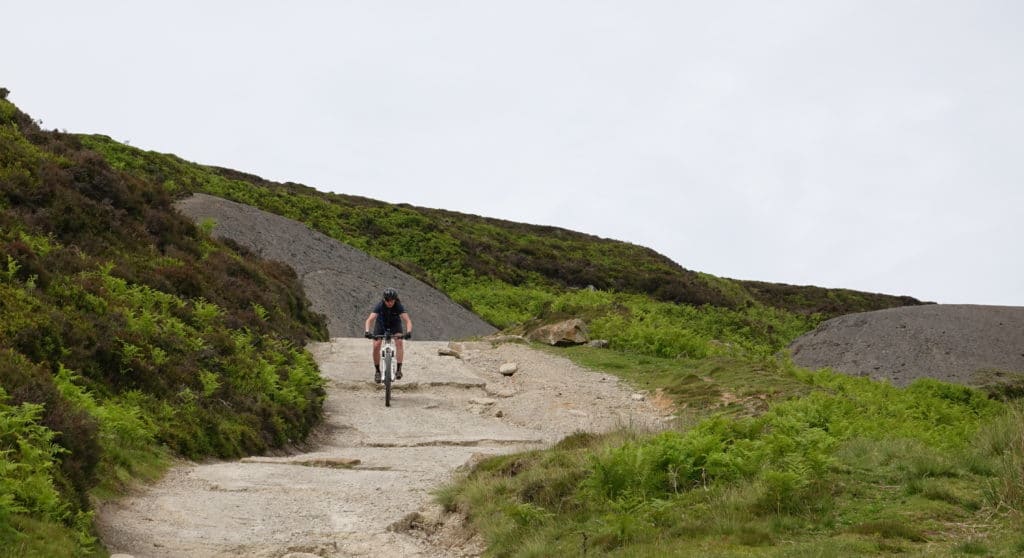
448 351
332 462
638 397
482 401
598 343
121 556
499 414
508 368
497 392
407 523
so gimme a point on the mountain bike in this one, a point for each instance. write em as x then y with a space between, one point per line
387 358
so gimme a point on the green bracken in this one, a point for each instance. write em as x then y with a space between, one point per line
127 336
852 468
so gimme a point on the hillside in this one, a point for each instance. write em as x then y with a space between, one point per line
127 336
342 282
460 254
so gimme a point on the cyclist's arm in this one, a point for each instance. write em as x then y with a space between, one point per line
408 322
369 321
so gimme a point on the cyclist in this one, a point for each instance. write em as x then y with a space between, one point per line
388 314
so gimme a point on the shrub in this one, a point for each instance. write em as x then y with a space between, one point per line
789 450
27 458
74 431
1002 441
118 321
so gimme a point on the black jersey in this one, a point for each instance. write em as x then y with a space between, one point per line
388 318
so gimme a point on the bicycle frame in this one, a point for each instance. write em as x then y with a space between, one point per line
388 354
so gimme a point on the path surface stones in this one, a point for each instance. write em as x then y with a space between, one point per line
364 487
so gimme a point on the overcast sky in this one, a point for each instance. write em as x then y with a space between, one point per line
870 145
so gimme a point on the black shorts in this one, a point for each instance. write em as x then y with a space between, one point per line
381 325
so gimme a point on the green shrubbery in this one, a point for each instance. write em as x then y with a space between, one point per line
794 441
126 335
28 457
501 304
638 324
668 330
854 458
1003 444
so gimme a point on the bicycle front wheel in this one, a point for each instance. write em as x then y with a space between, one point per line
387 379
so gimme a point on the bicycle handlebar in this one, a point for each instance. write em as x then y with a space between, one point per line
398 335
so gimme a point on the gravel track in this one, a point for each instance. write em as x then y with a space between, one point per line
445 413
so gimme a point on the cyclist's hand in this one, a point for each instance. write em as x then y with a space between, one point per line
407 335
367 335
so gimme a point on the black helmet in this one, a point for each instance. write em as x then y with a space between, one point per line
390 294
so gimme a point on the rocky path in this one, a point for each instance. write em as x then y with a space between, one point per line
365 488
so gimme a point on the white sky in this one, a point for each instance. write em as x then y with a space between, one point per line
870 145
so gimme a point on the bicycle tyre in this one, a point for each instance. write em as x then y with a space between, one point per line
387 378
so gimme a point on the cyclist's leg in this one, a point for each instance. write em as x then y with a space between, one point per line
376 360
399 353
376 353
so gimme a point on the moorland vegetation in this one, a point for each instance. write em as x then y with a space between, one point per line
127 337
162 341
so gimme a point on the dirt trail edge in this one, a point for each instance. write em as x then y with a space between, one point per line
365 488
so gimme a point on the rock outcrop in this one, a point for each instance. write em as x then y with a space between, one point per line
960 343
568 332
342 282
